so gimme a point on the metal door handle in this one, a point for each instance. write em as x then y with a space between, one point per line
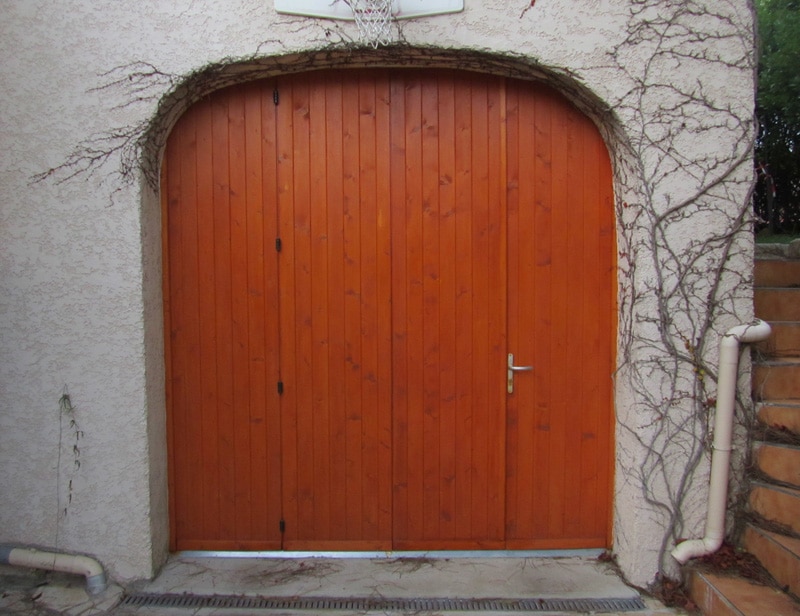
512 369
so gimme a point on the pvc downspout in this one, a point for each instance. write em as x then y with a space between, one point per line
723 436
54 561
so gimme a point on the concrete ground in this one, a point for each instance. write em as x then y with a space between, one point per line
311 585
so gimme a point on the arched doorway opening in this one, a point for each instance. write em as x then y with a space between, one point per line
353 261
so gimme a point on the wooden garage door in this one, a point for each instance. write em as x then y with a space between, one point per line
350 257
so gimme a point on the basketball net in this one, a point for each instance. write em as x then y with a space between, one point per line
374 20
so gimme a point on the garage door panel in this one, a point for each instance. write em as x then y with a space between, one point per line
559 467
448 485
331 258
220 251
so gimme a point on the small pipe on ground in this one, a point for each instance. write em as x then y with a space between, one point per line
723 437
55 561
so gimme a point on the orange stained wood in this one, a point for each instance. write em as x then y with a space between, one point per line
430 222
335 311
222 342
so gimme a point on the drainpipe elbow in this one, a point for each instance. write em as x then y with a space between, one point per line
694 548
86 566
756 331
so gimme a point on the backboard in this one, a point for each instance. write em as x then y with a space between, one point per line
338 9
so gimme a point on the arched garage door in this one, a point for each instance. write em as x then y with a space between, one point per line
350 259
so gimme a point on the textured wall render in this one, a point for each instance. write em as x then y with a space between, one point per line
80 260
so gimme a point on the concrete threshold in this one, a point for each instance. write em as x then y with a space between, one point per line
240 584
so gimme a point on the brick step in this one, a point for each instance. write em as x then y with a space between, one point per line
777 273
778 462
784 340
777 379
718 595
778 554
777 304
780 415
777 504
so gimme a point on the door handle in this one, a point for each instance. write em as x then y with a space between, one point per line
512 369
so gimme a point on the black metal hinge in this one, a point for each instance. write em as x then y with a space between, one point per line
276 97
278 244
282 526
280 387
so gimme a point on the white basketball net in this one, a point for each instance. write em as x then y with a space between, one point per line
374 20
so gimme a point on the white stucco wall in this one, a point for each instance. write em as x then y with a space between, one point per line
80 302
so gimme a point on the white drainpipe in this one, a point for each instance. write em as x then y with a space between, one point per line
723 431
54 561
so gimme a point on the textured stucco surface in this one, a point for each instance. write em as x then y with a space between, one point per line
80 295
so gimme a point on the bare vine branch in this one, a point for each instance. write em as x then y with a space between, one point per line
678 285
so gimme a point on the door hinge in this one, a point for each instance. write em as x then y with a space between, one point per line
276 97
278 244
282 526
280 387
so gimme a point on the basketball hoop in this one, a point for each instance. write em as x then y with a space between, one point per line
373 19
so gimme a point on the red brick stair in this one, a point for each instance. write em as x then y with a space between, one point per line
772 532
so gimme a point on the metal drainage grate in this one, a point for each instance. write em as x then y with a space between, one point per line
384 604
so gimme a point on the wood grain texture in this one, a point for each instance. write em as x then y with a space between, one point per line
222 329
431 223
561 224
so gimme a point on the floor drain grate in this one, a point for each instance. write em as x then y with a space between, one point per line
383 604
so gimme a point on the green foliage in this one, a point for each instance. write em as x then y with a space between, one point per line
778 109
779 65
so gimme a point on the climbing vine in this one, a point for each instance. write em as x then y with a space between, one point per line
680 289
677 170
69 440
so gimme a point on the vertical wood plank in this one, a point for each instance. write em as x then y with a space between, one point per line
517 449
561 380
465 367
448 418
273 478
574 326
210 463
240 334
383 315
223 325
414 324
593 305
369 329
352 303
336 307
290 484
607 322
254 427
542 308
481 250
430 280
320 325
303 358
497 309
170 388
400 422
